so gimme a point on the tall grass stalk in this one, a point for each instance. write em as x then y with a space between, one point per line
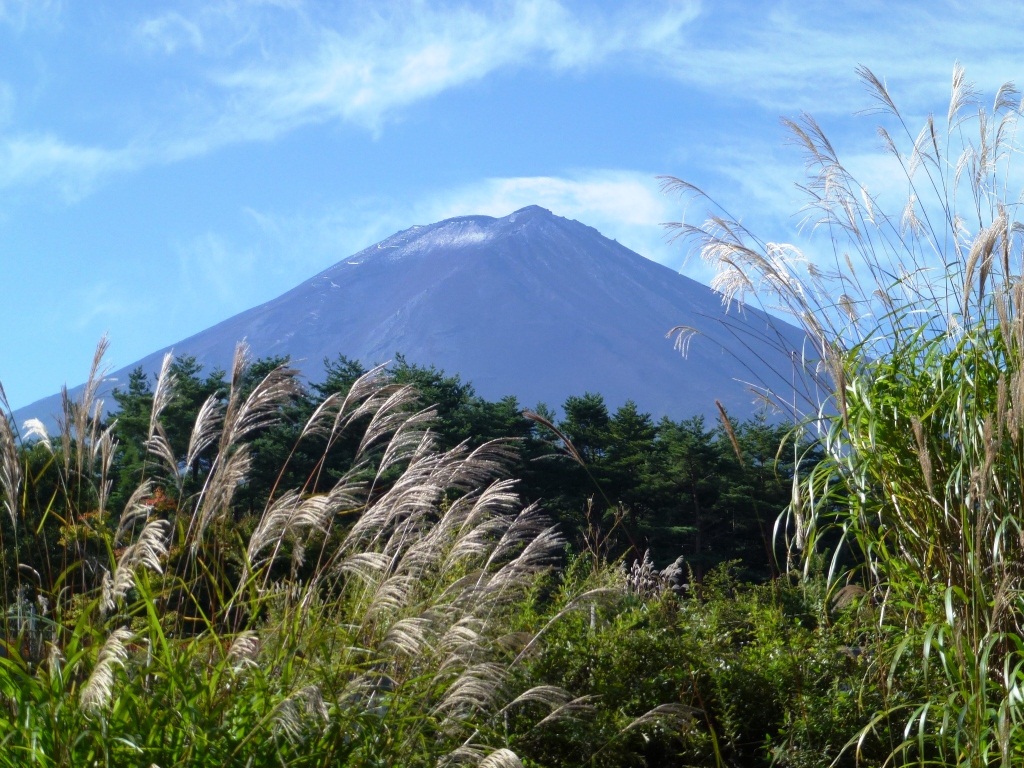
363 625
916 315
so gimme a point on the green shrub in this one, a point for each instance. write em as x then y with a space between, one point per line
760 674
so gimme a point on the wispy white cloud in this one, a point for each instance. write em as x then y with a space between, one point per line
99 304
257 70
22 14
254 71
790 56
73 169
625 205
271 67
7 102
365 71
170 32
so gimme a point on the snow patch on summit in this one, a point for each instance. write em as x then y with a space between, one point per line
467 234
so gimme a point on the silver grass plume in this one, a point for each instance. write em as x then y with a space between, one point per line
293 515
574 709
10 465
145 552
166 382
301 710
156 438
560 703
98 689
32 429
135 509
206 429
475 690
680 713
84 408
240 418
410 636
365 397
261 407
463 640
105 447
219 489
501 758
244 651
538 553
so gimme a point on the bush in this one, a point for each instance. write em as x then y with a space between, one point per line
759 674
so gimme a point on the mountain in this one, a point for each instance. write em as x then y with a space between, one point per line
532 305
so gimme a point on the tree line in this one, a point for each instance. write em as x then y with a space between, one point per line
618 483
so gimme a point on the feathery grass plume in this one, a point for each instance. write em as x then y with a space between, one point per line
261 408
99 688
501 758
302 711
157 443
367 395
678 712
10 464
681 336
409 636
105 447
538 552
244 650
85 414
136 508
573 709
291 515
475 690
147 551
229 471
205 429
166 382
32 430
240 418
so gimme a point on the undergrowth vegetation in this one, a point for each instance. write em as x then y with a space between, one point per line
410 611
918 326
364 625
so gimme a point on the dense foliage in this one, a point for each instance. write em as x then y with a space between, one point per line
383 598
919 324
690 489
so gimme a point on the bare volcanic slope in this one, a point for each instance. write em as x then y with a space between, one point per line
532 305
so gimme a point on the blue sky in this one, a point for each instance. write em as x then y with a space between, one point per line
164 166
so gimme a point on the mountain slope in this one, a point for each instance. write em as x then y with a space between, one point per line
531 304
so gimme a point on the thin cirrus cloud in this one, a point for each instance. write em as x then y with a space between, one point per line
170 32
626 205
22 14
236 72
362 76
366 71
73 169
242 72
788 56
